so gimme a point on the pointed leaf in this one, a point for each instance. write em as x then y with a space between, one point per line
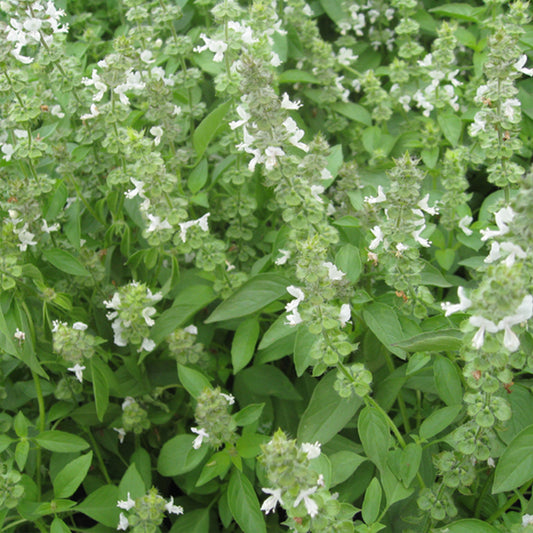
244 504
71 476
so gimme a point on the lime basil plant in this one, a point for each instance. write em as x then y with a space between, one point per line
266 266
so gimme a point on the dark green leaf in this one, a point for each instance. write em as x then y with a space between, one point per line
207 129
198 176
384 324
375 436
101 505
372 502
255 294
100 388
196 521
193 380
267 380
468 525
249 414
302 350
243 345
448 380
178 457
439 420
297 76
353 111
131 483
442 340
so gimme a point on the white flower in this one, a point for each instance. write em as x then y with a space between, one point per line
426 62
463 305
316 191
523 312
19 335
56 111
484 325
217 47
478 125
294 318
420 240
228 397
513 251
98 84
270 503
376 199
146 57
334 274
466 221
509 106
345 314
527 520
129 400
8 151
202 222
126 504
192 329
157 224
147 344
78 370
123 522
271 155
49 229
310 505
520 66
325 174
93 114
423 204
202 434
25 238
121 434
147 312
176 111
173 509
245 117
287 104
378 234
312 450
502 217
157 132
491 463
137 191
296 292
80 326
320 481
275 60
285 254
346 56
296 134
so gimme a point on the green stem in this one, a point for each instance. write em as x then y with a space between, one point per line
98 454
42 414
510 502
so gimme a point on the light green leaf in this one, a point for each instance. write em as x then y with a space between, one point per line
343 465
244 504
193 380
302 350
372 502
349 261
451 126
442 340
71 476
209 126
101 505
468 525
249 414
196 521
21 453
58 526
298 76
243 345
515 466
131 483
217 465
177 456
60 441
353 111
198 176
327 413
255 294
65 262
375 436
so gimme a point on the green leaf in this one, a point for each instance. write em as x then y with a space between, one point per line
65 262
268 380
343 465
384 324
458 11
249 414
302 350
278 330
416 362
20 424
196 521
335 160
353 111
255 294
298 76
244 504
430 157
334 10
193 380
451 126
101 505
372 502
70 477
375 436
433 276
21 453
468 525
249 445
5 441
60 441
327 413
445 258
198 176
218 465
131 483
515 466
439 420
243 345
177 456
100 388
448 380
207 129
187 303
411 456
442 340
58 526
349 261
